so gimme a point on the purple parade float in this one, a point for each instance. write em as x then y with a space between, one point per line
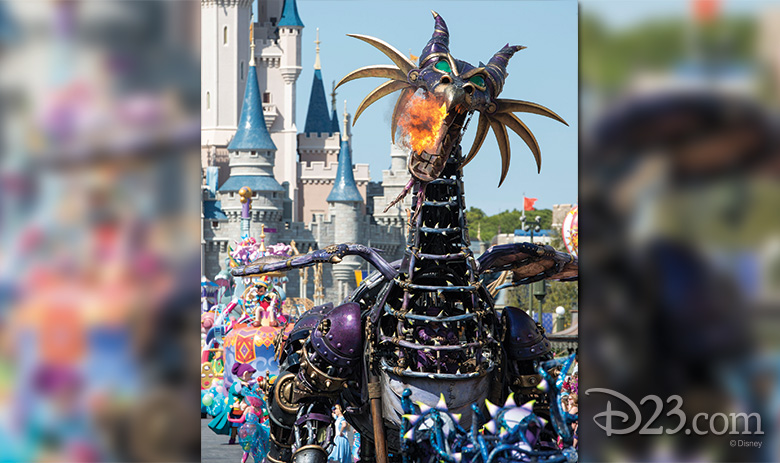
417 354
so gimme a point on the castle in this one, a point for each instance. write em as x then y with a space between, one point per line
305 187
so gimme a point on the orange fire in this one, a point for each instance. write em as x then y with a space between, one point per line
422 122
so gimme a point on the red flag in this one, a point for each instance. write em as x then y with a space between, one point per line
705 10
528 203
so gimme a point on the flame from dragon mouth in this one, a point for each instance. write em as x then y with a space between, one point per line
422 123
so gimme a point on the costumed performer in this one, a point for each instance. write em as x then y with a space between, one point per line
235 407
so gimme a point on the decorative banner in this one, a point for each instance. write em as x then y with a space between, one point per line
360 275
252 345
570 231
547 321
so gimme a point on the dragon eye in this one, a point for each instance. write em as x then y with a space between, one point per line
477 80
443 65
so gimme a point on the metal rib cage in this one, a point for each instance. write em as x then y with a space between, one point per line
437 290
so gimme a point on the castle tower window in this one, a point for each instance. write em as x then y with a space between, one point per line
266 97
242 70
224 36
208 100
215 225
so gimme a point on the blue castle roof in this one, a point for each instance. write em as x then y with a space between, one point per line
252 133
334 122
344 186
317 118
290 15
255 182
212 210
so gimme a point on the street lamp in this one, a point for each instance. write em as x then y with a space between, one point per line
560 313
539 291
531 227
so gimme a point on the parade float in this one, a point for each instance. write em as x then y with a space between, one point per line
418 356
243 318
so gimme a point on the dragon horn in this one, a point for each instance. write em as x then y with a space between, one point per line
400 104
440 40
380 92
519 106
499 129
386 71
400 60
517 126
482 129
496 67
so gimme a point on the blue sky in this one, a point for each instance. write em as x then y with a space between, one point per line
545 73
623 14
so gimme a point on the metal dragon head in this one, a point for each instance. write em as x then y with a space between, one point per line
438 94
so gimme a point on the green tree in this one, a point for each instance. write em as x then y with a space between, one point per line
559 293
507 221
608 57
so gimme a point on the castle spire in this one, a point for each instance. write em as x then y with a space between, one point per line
334 118
317 64
317 118
333 96
251 40
346 122
290 17
344 185
252 133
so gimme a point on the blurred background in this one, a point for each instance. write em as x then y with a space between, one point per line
99 227
680 233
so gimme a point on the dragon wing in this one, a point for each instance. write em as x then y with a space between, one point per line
529 262
332 255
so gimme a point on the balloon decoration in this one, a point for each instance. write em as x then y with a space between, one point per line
570 231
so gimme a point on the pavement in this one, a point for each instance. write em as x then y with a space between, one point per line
214 447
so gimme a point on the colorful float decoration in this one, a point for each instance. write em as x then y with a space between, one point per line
570 231
244 329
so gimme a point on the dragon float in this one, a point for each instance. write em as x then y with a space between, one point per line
417 354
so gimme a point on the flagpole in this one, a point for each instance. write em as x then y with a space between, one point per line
523 219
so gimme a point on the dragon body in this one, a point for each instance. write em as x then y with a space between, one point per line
421 336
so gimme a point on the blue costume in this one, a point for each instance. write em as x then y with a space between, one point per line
220 423
253 436
341 452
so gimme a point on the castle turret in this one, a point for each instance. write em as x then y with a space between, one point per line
224 53
345 205
252 161
394 180
345 189
289 30
318 149
317 118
